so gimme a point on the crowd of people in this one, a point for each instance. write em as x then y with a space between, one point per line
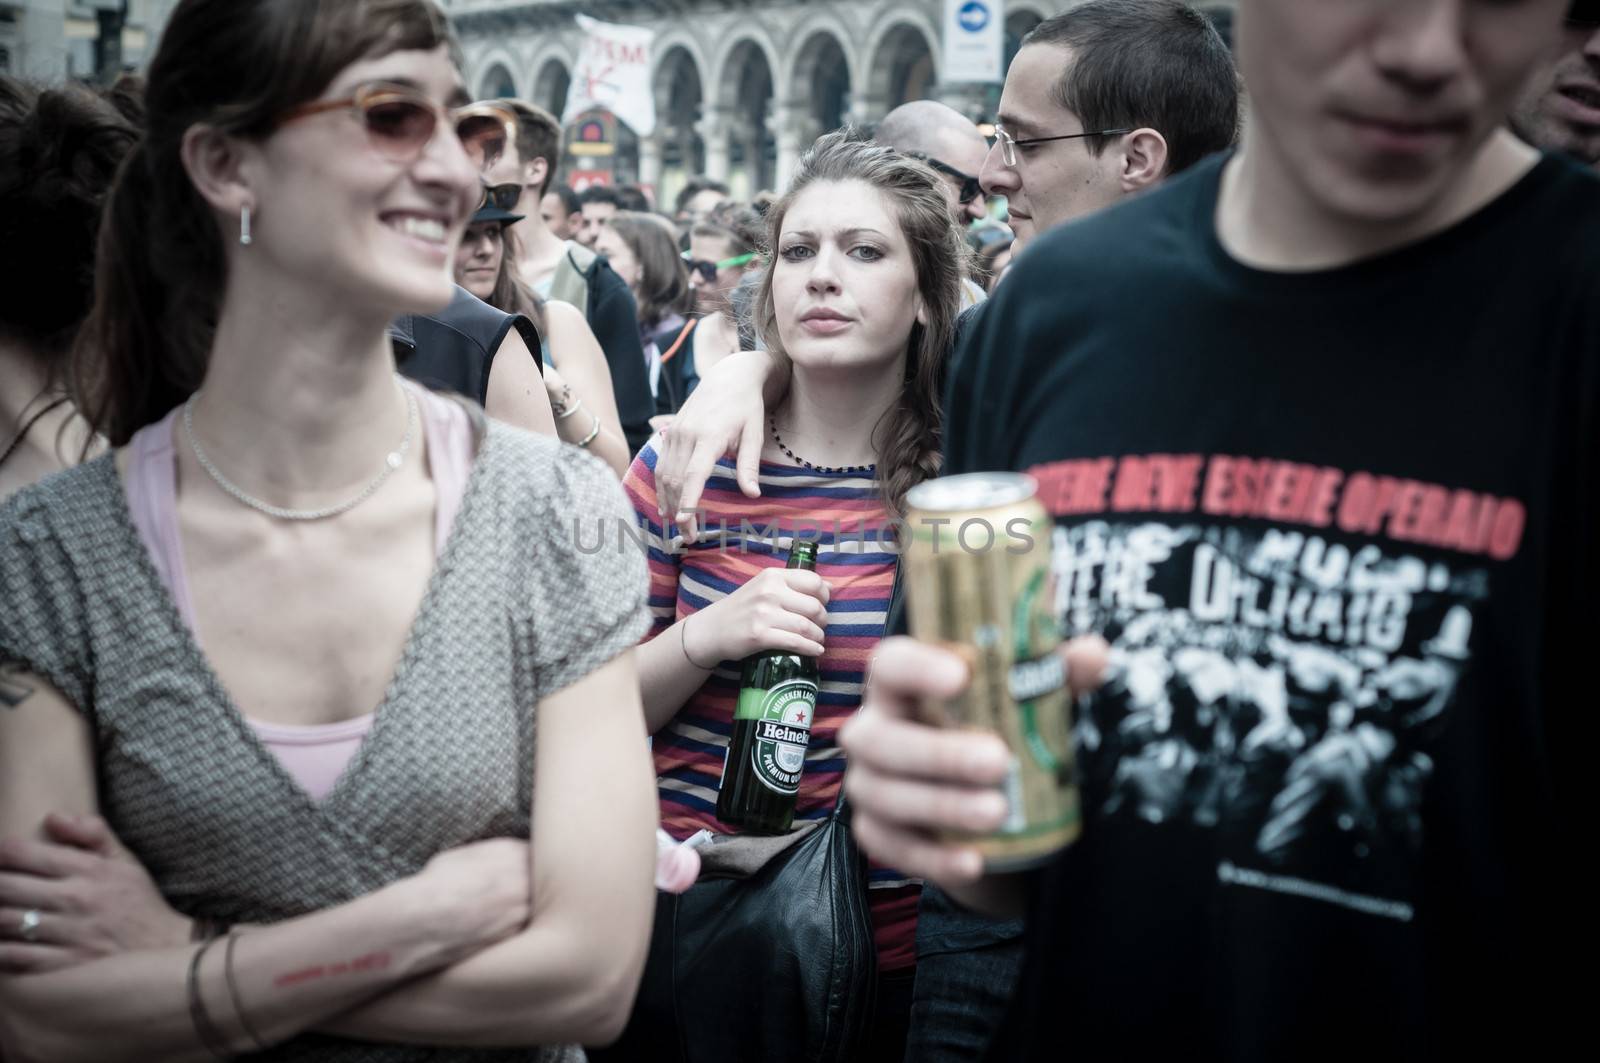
324 734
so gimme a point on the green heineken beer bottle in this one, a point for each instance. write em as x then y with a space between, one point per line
771 730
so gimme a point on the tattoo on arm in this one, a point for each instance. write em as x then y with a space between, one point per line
13 689
372 961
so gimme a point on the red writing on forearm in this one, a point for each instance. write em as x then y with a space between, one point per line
372 961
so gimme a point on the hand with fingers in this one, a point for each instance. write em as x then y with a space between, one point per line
75 895
911 782
726 414
780 609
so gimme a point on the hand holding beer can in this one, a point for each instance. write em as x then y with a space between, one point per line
978 584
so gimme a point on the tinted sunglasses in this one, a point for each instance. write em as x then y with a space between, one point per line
708 270
970 188
400 122
504 197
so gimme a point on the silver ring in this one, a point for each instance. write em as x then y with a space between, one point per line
28 926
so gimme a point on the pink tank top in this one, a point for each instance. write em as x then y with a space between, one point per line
313 756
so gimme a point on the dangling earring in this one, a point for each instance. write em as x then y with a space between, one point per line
244 227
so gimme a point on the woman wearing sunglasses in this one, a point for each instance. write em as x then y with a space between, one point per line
860 300
294 638
723 250
576 377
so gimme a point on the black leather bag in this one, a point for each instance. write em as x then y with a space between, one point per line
769 957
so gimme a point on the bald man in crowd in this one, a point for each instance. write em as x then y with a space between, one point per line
948 141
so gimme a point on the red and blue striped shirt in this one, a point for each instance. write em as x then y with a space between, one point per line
740 537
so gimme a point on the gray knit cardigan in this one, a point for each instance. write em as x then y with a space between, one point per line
514 611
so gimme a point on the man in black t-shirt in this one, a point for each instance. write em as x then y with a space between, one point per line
1317 425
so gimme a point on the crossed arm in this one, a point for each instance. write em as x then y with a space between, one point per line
496 943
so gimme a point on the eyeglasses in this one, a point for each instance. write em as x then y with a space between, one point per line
708 270
1009 144
400 122
970 188
503 197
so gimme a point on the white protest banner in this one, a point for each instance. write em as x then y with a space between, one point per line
613 74
974 41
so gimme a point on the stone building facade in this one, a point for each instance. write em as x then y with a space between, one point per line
741 86
48 40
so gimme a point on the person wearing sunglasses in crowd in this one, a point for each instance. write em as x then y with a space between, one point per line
952 146
643 249
724 250
477 350
577 382
197 627
59 149
860 297
571 273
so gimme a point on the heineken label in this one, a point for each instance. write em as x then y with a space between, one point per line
783 731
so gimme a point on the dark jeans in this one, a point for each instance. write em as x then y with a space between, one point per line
967 968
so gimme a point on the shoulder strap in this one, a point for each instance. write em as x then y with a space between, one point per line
570 284
677 344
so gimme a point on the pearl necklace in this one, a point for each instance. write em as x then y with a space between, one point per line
859 470
392 462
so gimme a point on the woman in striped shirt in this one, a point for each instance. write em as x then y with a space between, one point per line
861 297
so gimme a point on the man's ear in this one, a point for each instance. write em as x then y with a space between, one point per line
1144 160
535 172
219 166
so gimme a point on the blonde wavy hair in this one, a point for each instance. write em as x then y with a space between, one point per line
907 439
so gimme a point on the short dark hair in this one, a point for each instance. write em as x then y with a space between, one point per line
538 137
695 186
1155 63
632 197
569 198
599 194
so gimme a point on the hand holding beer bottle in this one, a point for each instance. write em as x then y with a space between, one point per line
766 754
780 609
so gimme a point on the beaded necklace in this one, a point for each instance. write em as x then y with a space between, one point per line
859 470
